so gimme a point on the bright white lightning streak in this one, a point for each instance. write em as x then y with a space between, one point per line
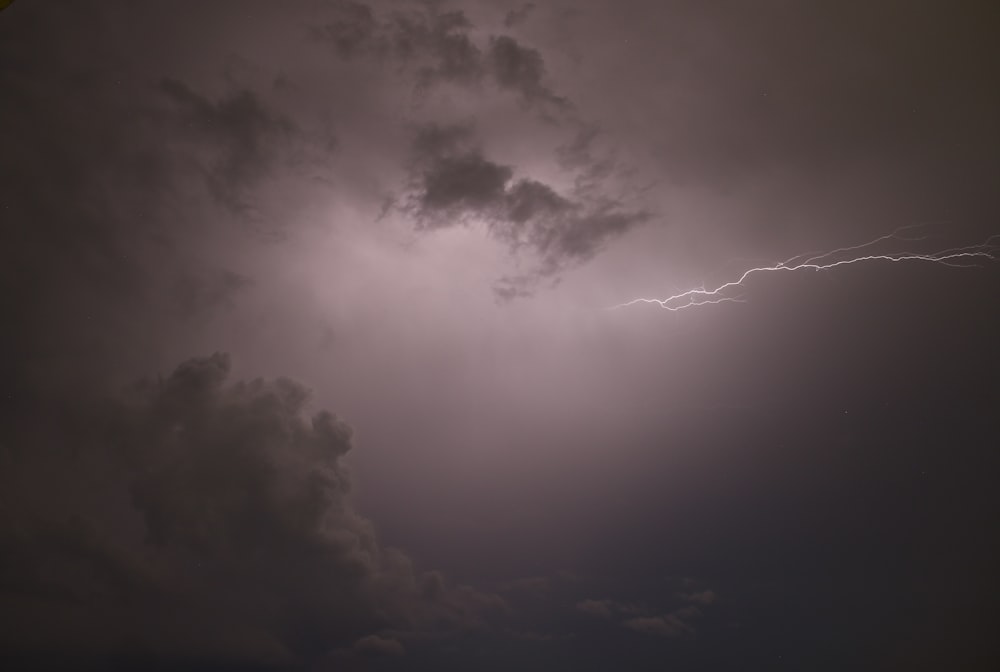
956 257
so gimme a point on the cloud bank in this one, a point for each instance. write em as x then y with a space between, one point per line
199 520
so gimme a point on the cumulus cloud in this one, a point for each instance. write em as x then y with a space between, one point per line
207 520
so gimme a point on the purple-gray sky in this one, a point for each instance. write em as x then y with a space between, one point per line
310 361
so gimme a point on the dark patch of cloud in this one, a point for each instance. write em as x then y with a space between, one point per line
453 183
454 56
466 183
434 45
437 47
527 200
198 519
436 140
522 70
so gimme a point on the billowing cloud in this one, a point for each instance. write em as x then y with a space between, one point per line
204 511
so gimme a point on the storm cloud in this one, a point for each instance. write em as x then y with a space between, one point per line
207 521
335 192
438 47
455 184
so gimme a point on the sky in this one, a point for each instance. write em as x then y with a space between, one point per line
316 357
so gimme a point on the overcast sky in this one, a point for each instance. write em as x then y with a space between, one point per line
311 359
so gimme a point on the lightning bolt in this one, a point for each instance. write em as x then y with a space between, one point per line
955 257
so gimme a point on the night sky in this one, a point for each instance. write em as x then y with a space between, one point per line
314 355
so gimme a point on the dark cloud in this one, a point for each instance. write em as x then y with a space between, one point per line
454 57
463 184
432 45
455 184
437 47
820 461
432 141
521 70
205 513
